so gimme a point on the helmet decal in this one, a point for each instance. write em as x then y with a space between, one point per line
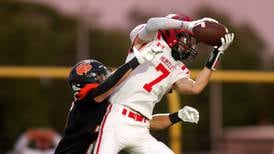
83 68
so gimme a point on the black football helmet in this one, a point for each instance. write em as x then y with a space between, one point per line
87 71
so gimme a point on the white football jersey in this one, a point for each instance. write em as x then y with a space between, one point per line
150 81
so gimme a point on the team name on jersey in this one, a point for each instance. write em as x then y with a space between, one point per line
167 63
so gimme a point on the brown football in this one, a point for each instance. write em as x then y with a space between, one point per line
210 32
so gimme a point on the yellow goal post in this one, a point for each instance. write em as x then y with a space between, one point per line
62 72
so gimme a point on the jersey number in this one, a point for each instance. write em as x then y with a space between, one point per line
165 73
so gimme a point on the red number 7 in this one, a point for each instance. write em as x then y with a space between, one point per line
165 73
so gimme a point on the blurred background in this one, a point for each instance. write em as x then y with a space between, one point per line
236 110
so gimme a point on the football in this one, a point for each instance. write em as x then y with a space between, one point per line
210 33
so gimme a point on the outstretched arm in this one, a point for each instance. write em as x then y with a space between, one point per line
188 86
148 31
106 88
162 121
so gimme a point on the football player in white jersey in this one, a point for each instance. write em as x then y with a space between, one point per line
170 38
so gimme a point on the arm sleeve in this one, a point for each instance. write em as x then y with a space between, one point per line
156 23
112 80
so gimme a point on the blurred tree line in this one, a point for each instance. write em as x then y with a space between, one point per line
34 35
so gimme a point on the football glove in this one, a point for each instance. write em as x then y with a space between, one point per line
146 54
218 51
188 114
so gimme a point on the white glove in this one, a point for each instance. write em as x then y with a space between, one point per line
226 41
146 54
189 114
218 51
201 22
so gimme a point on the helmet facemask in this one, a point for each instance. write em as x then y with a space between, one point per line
184 49
101 75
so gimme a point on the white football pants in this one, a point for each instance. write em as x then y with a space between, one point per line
119 132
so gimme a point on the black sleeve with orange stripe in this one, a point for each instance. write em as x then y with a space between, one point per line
112 80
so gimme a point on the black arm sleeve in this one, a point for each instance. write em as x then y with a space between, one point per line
114 78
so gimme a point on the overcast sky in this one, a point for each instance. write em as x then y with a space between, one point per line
113 13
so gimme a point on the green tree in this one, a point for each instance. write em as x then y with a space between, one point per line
35 35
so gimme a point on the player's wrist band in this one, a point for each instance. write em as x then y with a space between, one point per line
213 59
173 117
